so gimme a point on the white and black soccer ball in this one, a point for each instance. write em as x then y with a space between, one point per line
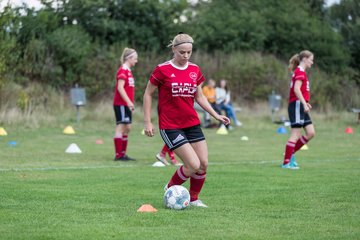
177 197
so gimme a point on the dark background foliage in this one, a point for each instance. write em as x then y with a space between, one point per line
248 42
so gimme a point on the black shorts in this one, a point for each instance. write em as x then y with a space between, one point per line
298 118
123 114
174 138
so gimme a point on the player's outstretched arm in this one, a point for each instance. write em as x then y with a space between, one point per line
147 102
204 103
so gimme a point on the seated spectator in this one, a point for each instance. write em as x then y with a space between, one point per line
223 102
210 93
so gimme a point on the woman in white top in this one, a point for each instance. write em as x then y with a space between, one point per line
223 101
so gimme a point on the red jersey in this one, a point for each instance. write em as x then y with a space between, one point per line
300 75
124 74
176 94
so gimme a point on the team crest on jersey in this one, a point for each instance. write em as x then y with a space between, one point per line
131 82
193 75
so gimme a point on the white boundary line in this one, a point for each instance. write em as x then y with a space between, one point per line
63 168
16 169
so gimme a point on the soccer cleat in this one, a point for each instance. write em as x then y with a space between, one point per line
129 158
162 159
293 162
198 203
289 166
175 162
125 158
121 159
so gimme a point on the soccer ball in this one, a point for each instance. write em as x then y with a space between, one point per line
177 197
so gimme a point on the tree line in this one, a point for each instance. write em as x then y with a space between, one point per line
80 41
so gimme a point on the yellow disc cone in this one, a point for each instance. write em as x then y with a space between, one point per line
304 147
222 130
3 132
69 130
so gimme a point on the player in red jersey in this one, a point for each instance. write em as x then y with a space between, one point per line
299 107
124 103
178 82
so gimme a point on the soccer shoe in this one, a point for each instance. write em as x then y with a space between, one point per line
198 203
293 162
289 166
238 123
129 158
125 158
162 159
121 159
175 162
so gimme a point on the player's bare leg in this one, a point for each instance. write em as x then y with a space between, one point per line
190 159
201 150
310 131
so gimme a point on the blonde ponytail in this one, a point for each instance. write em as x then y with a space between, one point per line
294 62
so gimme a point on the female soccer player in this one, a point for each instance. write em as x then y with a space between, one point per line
124 103
179 83
299 107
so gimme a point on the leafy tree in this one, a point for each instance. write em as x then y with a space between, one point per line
35 25
145 24
345 18
70 47
9 26
278 27
68 42
229 26
293 27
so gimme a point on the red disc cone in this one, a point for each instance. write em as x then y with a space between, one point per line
349 130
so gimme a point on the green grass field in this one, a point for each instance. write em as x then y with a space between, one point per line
48 194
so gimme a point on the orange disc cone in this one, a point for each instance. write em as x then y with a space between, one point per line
147 208
349 130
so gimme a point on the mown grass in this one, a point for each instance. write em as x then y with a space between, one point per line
48 194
